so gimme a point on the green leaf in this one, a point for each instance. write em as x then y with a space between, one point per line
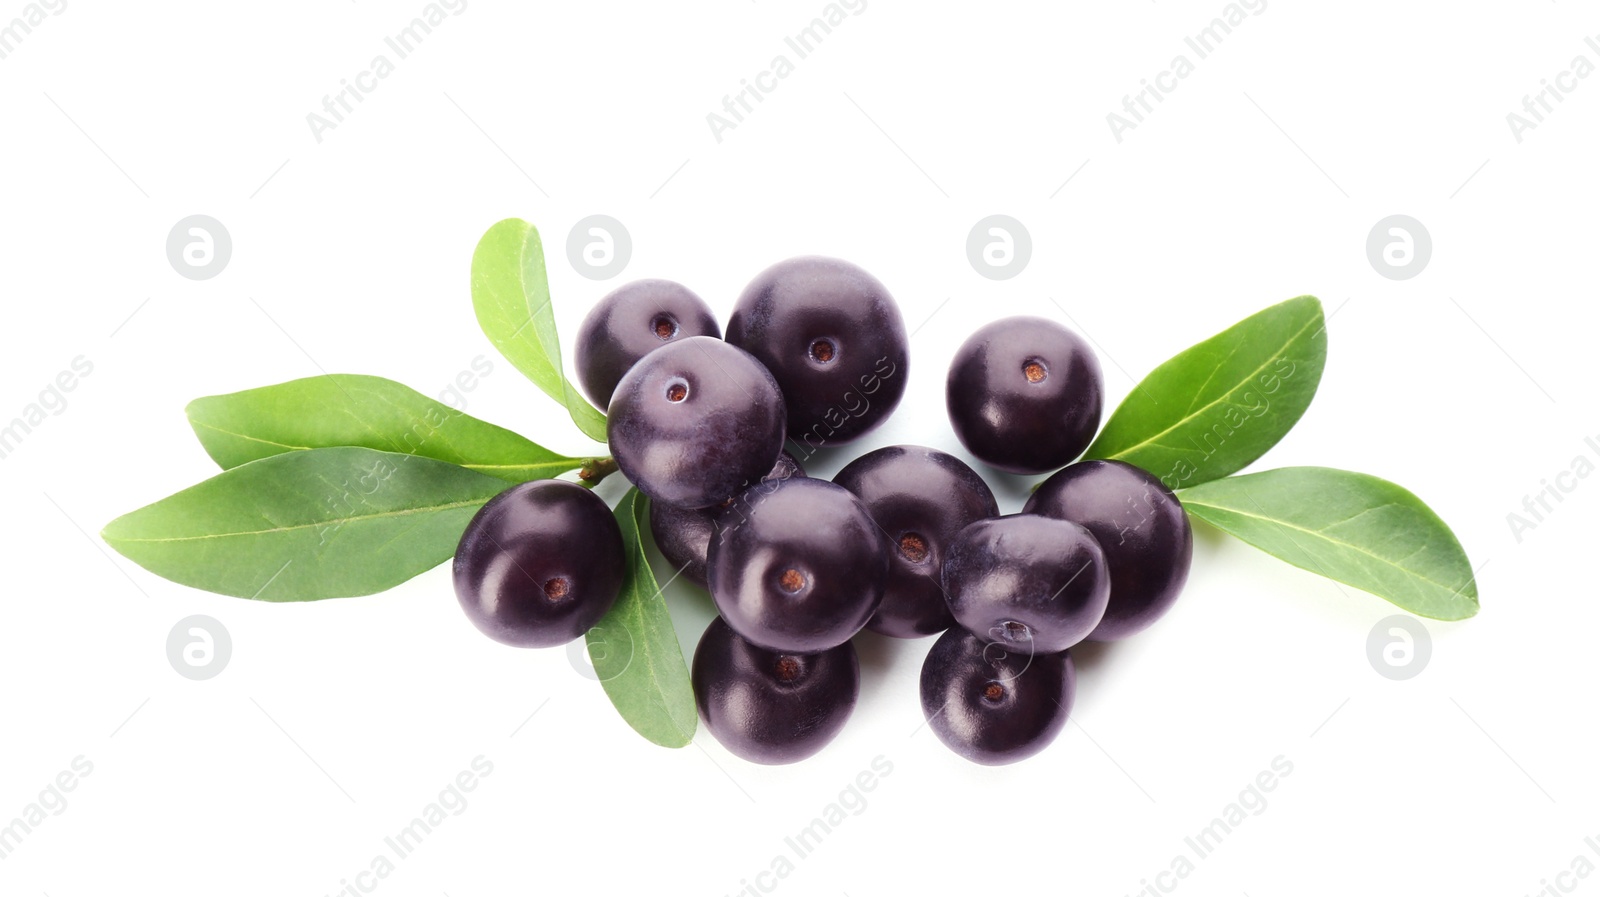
1219 405
635 649
511 296
353 409
1355 528
299 526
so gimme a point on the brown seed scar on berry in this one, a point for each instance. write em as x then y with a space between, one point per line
822 350
787 668
1035 370
914 548
664 327
556 589
792 580
677 392
994 691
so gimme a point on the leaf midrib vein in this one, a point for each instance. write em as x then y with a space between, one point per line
534 465
404 512
1191 415
638 612
218 429
1319 534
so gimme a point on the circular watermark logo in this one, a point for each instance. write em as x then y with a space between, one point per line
199 247
999 247
198 647
999 650
603 647
1399 247
1399 647
599 247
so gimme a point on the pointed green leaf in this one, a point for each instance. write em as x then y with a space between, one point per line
1355 528
1219 405
354 409
511 296
635 650
304 525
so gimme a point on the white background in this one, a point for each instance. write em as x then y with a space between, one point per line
1257 179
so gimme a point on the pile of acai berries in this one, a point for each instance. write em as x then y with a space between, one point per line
905 541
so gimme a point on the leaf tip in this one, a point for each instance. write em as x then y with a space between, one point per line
507 226
111 534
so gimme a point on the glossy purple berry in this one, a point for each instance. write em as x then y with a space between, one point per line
1141 527
694 421
800 568
992 705
833 337
1029 582
629 323
920 497
684 534
1024 394
539 564
769 707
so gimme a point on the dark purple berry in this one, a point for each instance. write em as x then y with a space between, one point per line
684 534
629 323
1140 526
694 421
920 497
833 338
1033 583
799 568
992 705
1024 394
769 707
539 564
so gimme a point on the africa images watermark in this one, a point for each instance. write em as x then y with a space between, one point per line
1253 403
1153 91
52 801
851 801
1538 506
1552 92
33 15
451 801
466 380
854 403
353 91
802 44
51 402
199 647
1252 801
350 498
1578 870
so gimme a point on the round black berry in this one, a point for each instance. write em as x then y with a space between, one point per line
539 564
833 338
1140 526
629 323
1024 394
991 704
684 534
770 707
920 497
1034 583
800 568
694 421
